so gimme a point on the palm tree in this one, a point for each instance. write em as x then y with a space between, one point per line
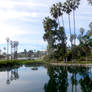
8 80
7 39
60 12
55 12
68 10
74 5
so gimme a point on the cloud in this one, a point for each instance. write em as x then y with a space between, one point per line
22 19
9 31
12 9
6 4
13 3
10 14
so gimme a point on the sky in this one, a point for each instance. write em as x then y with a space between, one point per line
21 20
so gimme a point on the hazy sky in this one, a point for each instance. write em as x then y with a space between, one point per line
21 20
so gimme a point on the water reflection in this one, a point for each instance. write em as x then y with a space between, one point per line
12 75
69 79
58 80
46 79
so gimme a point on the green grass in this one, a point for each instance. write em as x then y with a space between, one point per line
15 63
10 63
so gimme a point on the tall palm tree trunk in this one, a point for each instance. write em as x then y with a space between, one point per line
74 31
58 22
74 27
63 22
69 26
64 31
70 32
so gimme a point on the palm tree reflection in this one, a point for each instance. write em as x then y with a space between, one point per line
12 75
58 80
8 81
86 83
69 79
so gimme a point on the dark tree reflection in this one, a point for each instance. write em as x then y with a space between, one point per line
58 80
69 79
86 83
12 75
61 78
8 80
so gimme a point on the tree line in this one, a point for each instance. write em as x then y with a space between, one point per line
55 34
73 79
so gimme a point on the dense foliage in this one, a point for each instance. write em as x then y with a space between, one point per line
80 44
56 38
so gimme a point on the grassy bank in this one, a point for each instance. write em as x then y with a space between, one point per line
10 63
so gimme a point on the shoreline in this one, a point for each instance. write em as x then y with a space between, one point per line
9 63
60 64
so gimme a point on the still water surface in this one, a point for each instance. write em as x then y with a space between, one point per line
46 79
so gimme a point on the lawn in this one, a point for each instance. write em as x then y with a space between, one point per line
12 63
9 63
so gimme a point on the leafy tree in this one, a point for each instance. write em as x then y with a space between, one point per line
60 43
85 42
55 37
50 26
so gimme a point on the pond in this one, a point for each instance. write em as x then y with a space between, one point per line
46 79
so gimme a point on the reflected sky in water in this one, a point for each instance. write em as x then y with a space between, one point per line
46 79
29 80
